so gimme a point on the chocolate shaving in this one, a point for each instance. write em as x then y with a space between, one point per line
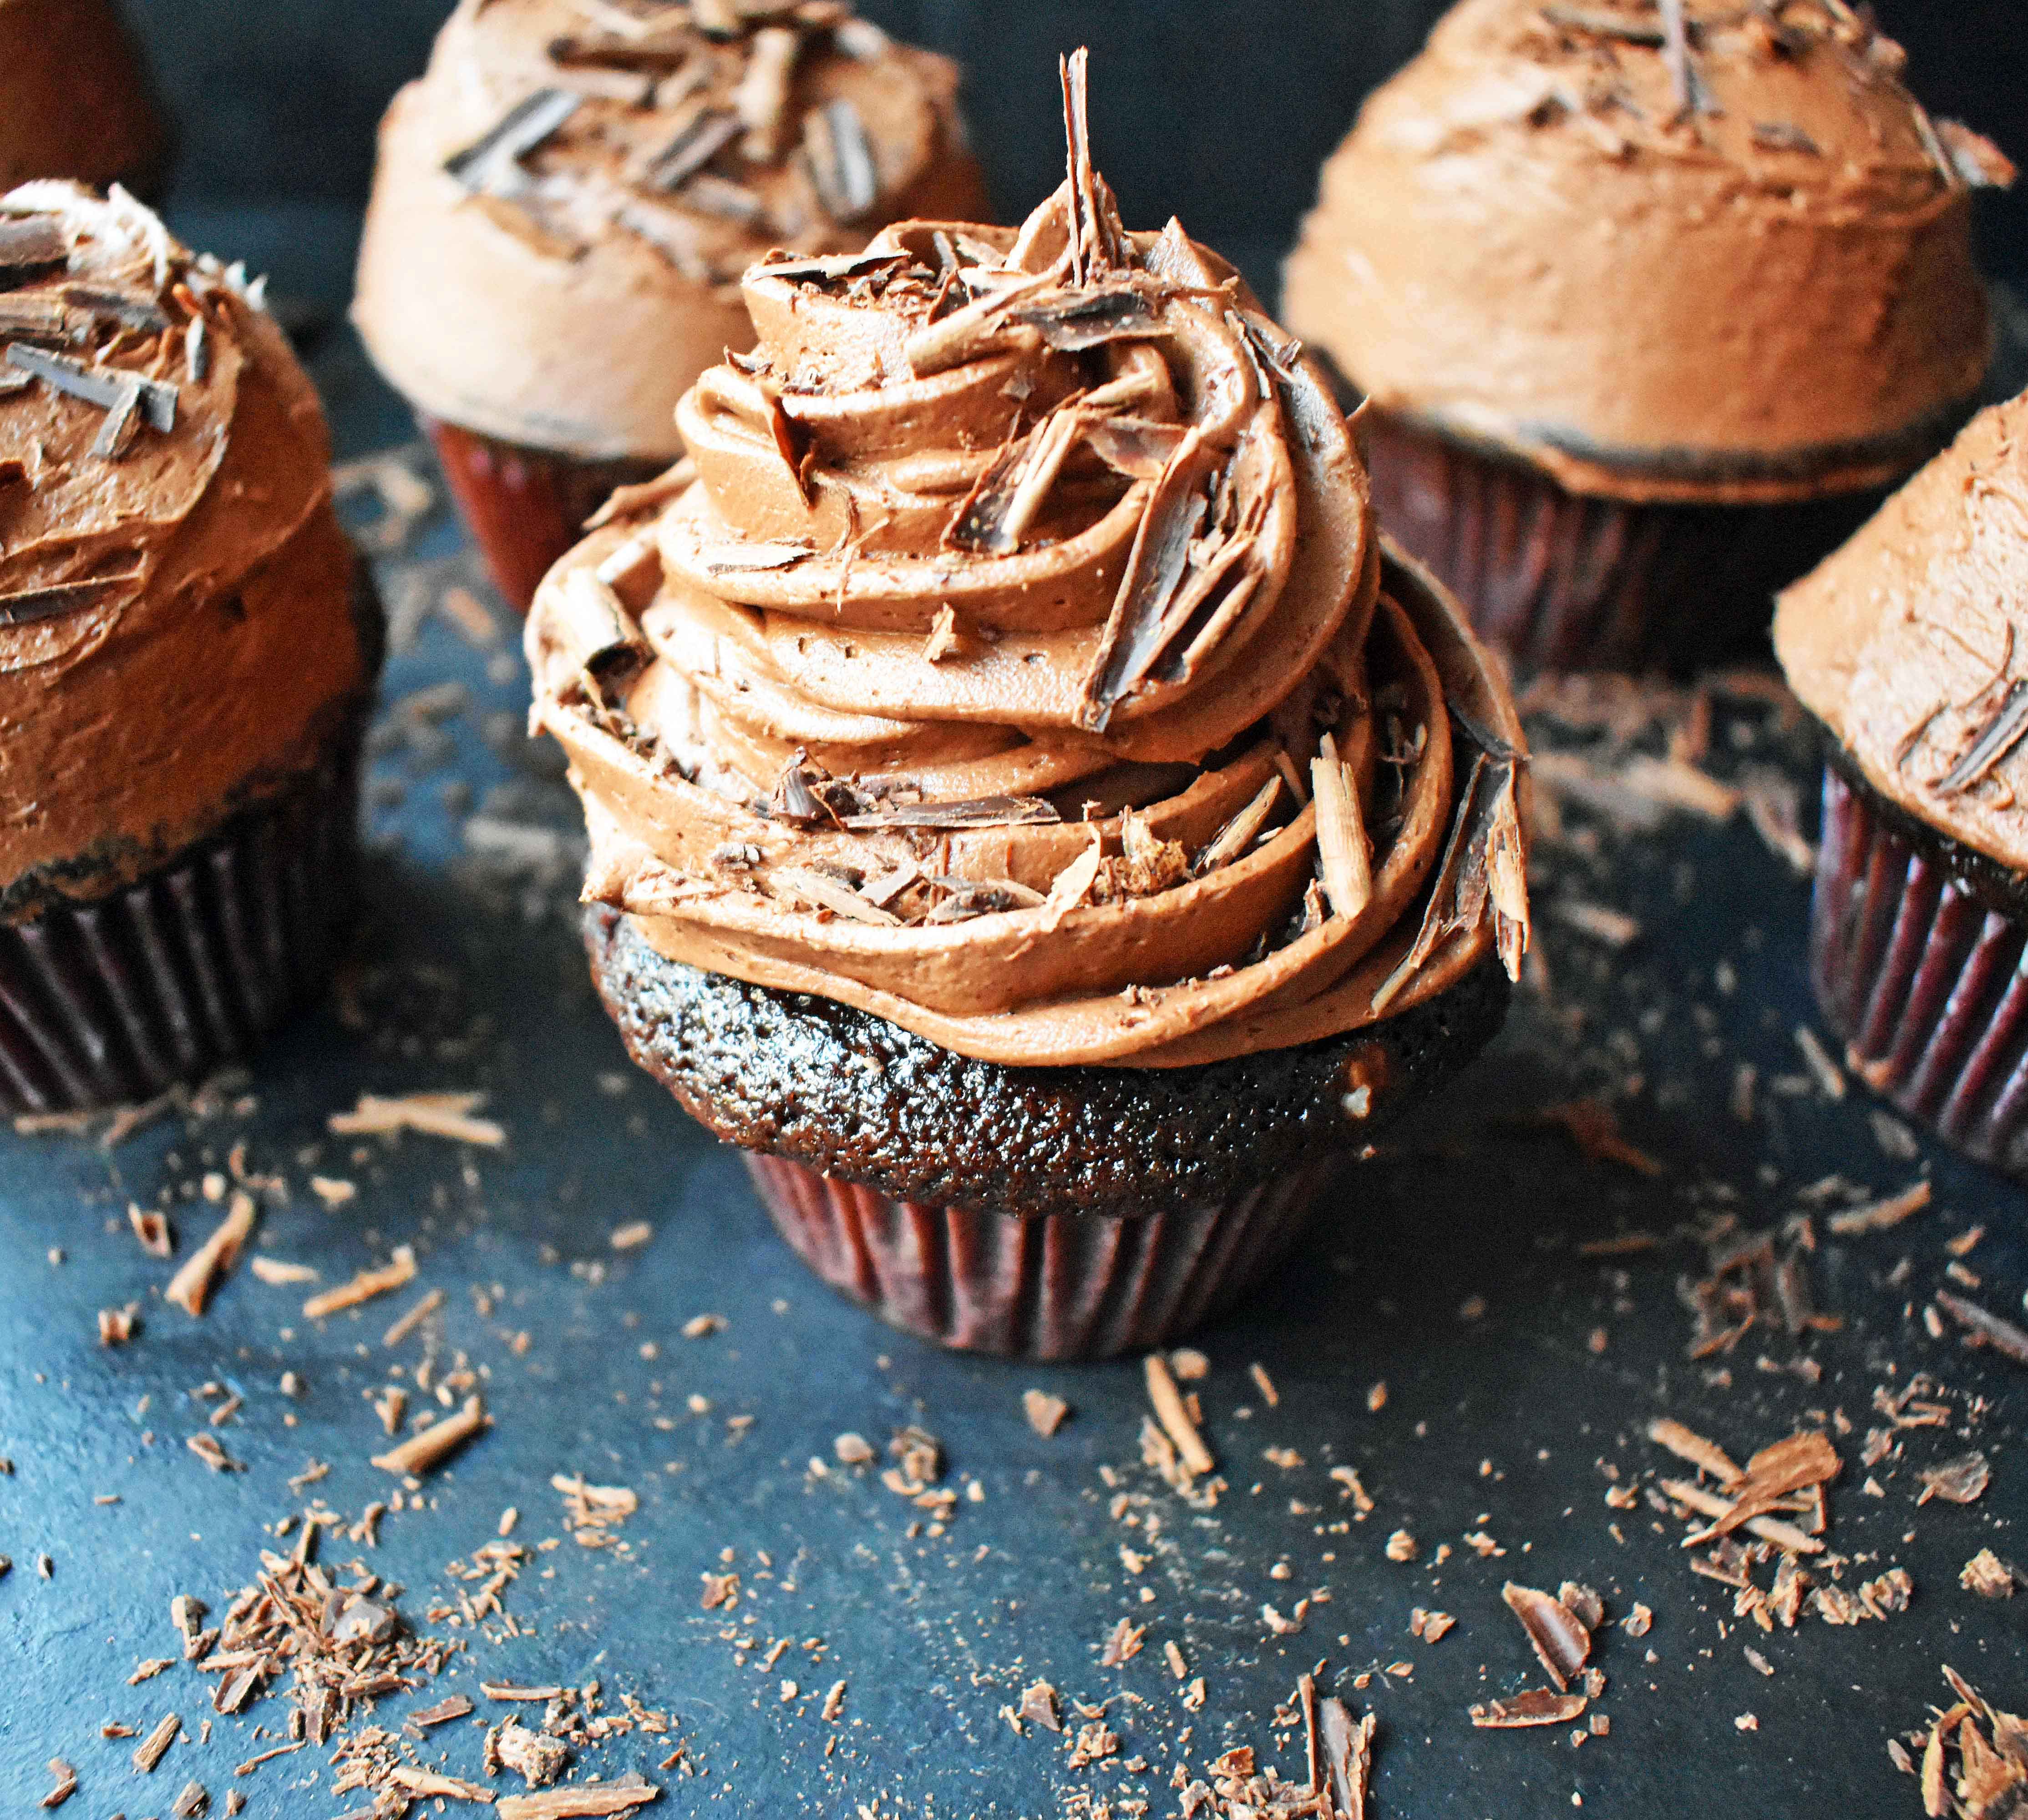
27 244
526 127
707 195
41 318
1074 320
1780 136
1346 1746
104 386
978 812
1561 1639
840 159
1009 495
762 97
1344 851
117 431
1998 736
1096 239
833 269
2006 1339
1436 922
1136 629
46 603
1239 834
1605 25
1961 1481
1979 163
141 313
1537 1707
706 134
1690 98
1138 447
1796 1464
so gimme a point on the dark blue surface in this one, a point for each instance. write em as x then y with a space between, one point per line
468 978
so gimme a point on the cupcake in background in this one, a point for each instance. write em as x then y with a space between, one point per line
1029 814
188 655
75 99
564 203
1651 301
1910 645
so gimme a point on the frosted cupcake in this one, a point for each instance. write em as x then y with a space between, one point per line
187 654
1031 815
564 203
1651 301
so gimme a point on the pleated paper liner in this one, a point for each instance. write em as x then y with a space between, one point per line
1071 1286
1562 582
524 507
166 979
1917 956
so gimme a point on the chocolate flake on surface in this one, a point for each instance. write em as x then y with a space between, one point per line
1044 1413
1561 1640
1984 1329
423 1451
841 162
191 1288
1168 1402
1537 1707
107 387
1961 1480
364 1286
1878 1216
447 1116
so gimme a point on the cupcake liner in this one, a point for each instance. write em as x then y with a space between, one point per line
163 980
1563 581
524 507
1054 1286
1918 965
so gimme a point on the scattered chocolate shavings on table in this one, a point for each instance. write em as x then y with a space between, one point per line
191 1287
1561 1640
1982 1328
425 1452
447 1116
364 1286
1044 1413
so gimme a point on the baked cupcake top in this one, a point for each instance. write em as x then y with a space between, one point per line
1910 643
74 99
1021 666
565 201
1662 248
174 622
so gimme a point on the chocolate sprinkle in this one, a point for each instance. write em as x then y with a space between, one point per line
528 124
104 387
1998 736
841 162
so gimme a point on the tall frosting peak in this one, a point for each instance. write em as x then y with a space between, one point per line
1014 656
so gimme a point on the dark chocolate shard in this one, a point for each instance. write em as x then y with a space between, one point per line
142 313
29 605
834 270
1537 1707
1998 738
36 318
979 812
1562 1641
1074 319
1138 447
839 156
530 124
700 139
1347 1751
104 387
1691 96
795 800
116 432
1098 241
1136 629
710 194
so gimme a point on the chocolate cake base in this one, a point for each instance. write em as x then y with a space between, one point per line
1052 1212
1917 952
1562 582
116 998
524 507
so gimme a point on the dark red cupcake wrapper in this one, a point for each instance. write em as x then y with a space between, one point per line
524 507
1561 581
165 980
1922 973
1055 1286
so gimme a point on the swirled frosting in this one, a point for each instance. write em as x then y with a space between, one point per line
1911 644
1686 249
1021 667
74 101
176 629
565 201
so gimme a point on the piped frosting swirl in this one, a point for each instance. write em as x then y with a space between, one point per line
1020 664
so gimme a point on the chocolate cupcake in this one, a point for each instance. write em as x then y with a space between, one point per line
1029 814
1911 646
75 99
563 206
1651 302
187 650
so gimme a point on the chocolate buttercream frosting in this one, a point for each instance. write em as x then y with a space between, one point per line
1663 249
74 98
1022 665
565 201
176 629
1911 644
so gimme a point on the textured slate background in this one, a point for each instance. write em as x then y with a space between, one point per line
1220 113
